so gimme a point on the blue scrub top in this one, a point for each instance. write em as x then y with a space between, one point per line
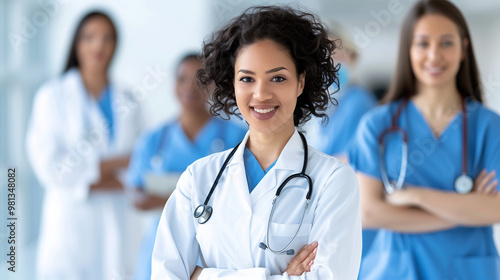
337 135
104 103
458 253
177 153
253 169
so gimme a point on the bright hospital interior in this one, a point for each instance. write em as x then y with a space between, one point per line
35 37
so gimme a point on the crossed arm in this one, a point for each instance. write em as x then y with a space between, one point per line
422 209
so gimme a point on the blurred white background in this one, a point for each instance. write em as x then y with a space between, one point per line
34 43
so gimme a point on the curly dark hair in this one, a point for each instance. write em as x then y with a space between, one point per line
301 33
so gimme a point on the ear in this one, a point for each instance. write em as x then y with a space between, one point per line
465 46
302 82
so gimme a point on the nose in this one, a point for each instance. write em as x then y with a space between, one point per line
434 52
261 92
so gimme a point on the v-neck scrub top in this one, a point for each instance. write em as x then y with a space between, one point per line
459 253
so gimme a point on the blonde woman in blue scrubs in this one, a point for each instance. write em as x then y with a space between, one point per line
439 225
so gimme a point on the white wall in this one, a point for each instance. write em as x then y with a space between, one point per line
152 34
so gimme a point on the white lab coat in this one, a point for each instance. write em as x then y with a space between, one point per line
82 234
228 244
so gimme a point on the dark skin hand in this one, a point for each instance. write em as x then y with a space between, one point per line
145 201
108 169
301 263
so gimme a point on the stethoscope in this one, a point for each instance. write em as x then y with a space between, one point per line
463 183
203 212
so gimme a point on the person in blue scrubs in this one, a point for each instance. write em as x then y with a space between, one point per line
171 148
428 230
335 136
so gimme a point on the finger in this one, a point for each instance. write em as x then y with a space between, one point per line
308 268
484 180
491 188
306 250
479 182
487 179
306 264
299 259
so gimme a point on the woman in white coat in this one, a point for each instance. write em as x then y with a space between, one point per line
274 66
81 132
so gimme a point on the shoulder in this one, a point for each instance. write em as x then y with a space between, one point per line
378 117
53 90
362 95
483 113
155 133
331 176
210 164
327 164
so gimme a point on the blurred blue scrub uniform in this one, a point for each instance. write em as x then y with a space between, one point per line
177 153
336 137
458 253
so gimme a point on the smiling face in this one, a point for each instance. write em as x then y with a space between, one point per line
266 86
96 44
436 51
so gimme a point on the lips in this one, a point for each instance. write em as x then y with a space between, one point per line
434 70
264 112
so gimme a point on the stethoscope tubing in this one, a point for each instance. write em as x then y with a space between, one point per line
394 128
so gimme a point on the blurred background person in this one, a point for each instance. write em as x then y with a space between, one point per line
81 132
428 159
335 136
162 154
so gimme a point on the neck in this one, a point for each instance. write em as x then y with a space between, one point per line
94 81
438 101
267 147
193 122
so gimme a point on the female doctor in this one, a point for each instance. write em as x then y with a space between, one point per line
81 132
273 65
440 196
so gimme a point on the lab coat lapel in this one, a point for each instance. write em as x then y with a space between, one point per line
289 162
237 176
85 115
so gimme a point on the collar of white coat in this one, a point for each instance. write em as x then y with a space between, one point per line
74 78
291 157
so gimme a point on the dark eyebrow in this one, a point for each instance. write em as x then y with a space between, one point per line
267 72
246 71
276 69
447 35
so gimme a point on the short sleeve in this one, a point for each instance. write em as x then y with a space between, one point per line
139 162
363 153
492 146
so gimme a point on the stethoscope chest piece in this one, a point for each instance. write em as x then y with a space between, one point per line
203 213
464 184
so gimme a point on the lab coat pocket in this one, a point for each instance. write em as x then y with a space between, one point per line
477 268
281 234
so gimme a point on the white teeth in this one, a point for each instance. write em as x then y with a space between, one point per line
264 111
